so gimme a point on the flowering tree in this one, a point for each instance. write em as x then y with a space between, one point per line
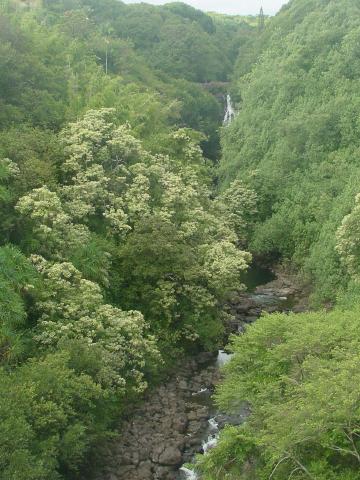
170 250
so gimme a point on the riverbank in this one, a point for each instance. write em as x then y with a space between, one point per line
167 429
172 423
282 293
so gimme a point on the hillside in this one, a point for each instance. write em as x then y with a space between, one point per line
295 142
62 58
128 219
116 258
295 139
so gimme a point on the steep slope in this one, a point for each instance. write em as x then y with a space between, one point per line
60 58
116 259
296 137
296 142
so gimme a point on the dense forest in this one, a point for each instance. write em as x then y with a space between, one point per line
129 216
116 255
295 141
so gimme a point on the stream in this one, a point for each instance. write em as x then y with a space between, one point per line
265 292
178 419
215 422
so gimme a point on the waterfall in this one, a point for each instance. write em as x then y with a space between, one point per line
223 358
213 437
229 111
189 474
210 443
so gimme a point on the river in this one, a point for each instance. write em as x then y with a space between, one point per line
265 292
178 420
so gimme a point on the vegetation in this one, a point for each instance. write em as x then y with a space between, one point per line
295 142
299 373
123 234
115 255
295 139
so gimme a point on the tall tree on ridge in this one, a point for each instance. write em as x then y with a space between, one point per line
261 20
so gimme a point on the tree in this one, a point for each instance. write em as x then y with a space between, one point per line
348 241
49 417
261 20
8 173
72 310
294 139
297 372
18 287
142 201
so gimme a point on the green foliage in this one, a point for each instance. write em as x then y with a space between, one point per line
299 373
60 60
35 151
18 283
174 249
116 251
8 173
105 113
177 39
48 419
72 308
295 140
118 230
348 236
240 205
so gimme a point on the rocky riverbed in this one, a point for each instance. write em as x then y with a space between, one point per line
177 420
167 429
282 294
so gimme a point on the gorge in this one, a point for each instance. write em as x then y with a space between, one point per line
179 419
150 157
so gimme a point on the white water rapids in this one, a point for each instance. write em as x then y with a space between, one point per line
189 474
213 430
207 445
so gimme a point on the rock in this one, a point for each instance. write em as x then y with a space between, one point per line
144 471
183 385
170 456
157 451
202 413
251 319
179 424
167 422
125 472
135 458
272 309
241 328
205 357
168 428
194 441
163 473
245 306
194 427
192 415
112 476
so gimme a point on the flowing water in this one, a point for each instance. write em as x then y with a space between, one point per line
229 111
179 419
257 275
216 421
213 431
267 297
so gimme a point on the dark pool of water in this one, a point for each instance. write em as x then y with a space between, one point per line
257 275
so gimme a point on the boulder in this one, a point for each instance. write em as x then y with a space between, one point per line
170 456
